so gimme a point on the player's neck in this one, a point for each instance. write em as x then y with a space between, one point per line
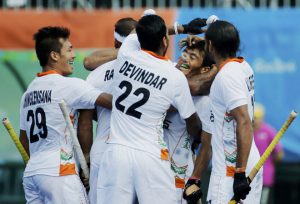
220 61
49 68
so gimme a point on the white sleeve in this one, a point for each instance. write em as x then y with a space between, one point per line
183 101
92 78
22 116
82 95
131 43
233 90
202 104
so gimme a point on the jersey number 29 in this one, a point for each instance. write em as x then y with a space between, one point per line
37 119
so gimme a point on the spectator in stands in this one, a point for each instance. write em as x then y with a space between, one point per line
263 135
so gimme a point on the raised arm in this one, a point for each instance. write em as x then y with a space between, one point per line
99 57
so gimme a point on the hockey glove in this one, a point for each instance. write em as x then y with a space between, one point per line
192 191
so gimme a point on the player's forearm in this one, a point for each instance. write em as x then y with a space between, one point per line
99 57
24 141
203 157
244 136
85 131
194 127
171 29
104 100
200 83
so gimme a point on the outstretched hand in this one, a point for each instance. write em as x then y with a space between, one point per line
195 26
189 41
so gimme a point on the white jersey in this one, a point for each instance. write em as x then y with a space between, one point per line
179 141
40 116
232 87
101 78
145 86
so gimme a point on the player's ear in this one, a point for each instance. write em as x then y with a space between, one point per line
54 56
166 41
204 70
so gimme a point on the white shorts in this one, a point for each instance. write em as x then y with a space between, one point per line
127 173
43 189
93 181
98 148
220 190
179 197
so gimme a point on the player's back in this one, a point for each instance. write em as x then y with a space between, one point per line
101 78
232 87
145 86
42 119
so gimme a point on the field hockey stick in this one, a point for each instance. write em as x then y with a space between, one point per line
15 138
77 148
268 151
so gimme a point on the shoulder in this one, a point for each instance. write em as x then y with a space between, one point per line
73 82
202 102
100 71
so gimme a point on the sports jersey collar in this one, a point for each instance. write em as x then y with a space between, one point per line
155 55
40 74
236 59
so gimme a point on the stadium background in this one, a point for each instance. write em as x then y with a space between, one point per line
270 42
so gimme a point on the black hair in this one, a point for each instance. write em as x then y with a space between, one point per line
47 40
124 26
151 30
224 38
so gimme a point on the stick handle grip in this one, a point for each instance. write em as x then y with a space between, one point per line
77 148
268 151
12 133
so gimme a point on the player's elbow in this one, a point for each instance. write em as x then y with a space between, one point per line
88 64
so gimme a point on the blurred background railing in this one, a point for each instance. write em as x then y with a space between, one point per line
117 4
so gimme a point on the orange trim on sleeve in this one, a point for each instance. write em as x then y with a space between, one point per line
230 170
67 169
156 55
40 74
236 59
179 182
164 154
